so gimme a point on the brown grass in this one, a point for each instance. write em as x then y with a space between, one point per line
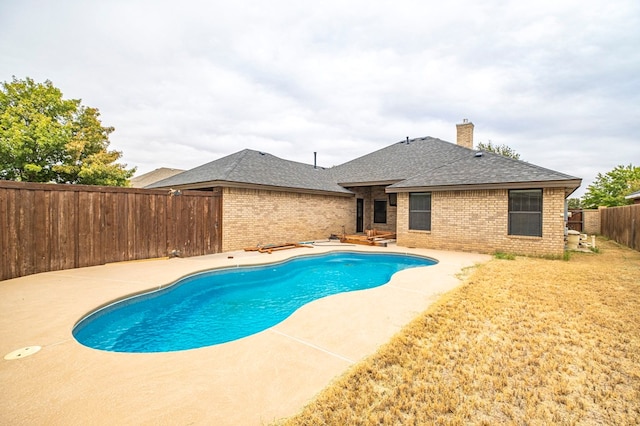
525 341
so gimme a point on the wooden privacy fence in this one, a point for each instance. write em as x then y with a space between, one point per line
47 227
575 220
622 224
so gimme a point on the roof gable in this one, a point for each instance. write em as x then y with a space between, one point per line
417 164
256 168
399 161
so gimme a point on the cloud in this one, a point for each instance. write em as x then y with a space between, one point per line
185 83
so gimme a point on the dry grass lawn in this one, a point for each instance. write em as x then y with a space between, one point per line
524 341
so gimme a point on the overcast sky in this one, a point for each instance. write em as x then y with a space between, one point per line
185 83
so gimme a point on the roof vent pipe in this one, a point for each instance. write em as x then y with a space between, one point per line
315 157
407 140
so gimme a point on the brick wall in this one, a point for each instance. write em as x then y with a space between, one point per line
465 134
477 221
369 194
591 222
251 217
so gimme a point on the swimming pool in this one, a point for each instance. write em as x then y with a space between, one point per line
222 305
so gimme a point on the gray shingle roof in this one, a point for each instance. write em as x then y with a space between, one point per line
488 169
431 162
421 163
399 161
256 168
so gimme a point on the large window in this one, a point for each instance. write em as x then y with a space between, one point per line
420 211
380 211
525 212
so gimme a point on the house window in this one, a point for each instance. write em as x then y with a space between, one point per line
525 212
420 211
380 211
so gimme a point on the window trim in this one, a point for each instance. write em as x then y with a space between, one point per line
514 213
376 212
427 212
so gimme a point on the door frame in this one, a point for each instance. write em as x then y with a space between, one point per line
359 214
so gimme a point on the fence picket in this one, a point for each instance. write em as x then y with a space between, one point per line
47 227
622 224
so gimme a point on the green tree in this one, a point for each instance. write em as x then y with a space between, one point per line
45 138
611 188
575 203
503 150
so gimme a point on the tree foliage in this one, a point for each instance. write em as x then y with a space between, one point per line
45 138
503 150
611 188
575 203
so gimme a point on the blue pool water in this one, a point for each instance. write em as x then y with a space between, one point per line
222 305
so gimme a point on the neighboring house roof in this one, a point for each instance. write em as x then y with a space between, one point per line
633 196
153 176
251 167
417 164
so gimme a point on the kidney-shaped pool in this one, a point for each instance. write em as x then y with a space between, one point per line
222 305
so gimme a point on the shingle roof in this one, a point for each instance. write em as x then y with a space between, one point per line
399 161
431 162
418 163
485 169
256 168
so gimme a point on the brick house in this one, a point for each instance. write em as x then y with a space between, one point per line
431 193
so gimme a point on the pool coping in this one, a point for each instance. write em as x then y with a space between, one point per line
253 380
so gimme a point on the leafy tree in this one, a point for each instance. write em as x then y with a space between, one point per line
45 138
503 150
575 203
611 188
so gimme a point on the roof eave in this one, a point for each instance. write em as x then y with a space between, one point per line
229 184
569 185
369 183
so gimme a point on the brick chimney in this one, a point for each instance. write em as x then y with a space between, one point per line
465 134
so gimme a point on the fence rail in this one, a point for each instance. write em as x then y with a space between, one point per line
622 224
47 227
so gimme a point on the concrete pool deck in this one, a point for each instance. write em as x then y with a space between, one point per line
251 381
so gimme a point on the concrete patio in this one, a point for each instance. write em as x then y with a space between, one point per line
251 381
